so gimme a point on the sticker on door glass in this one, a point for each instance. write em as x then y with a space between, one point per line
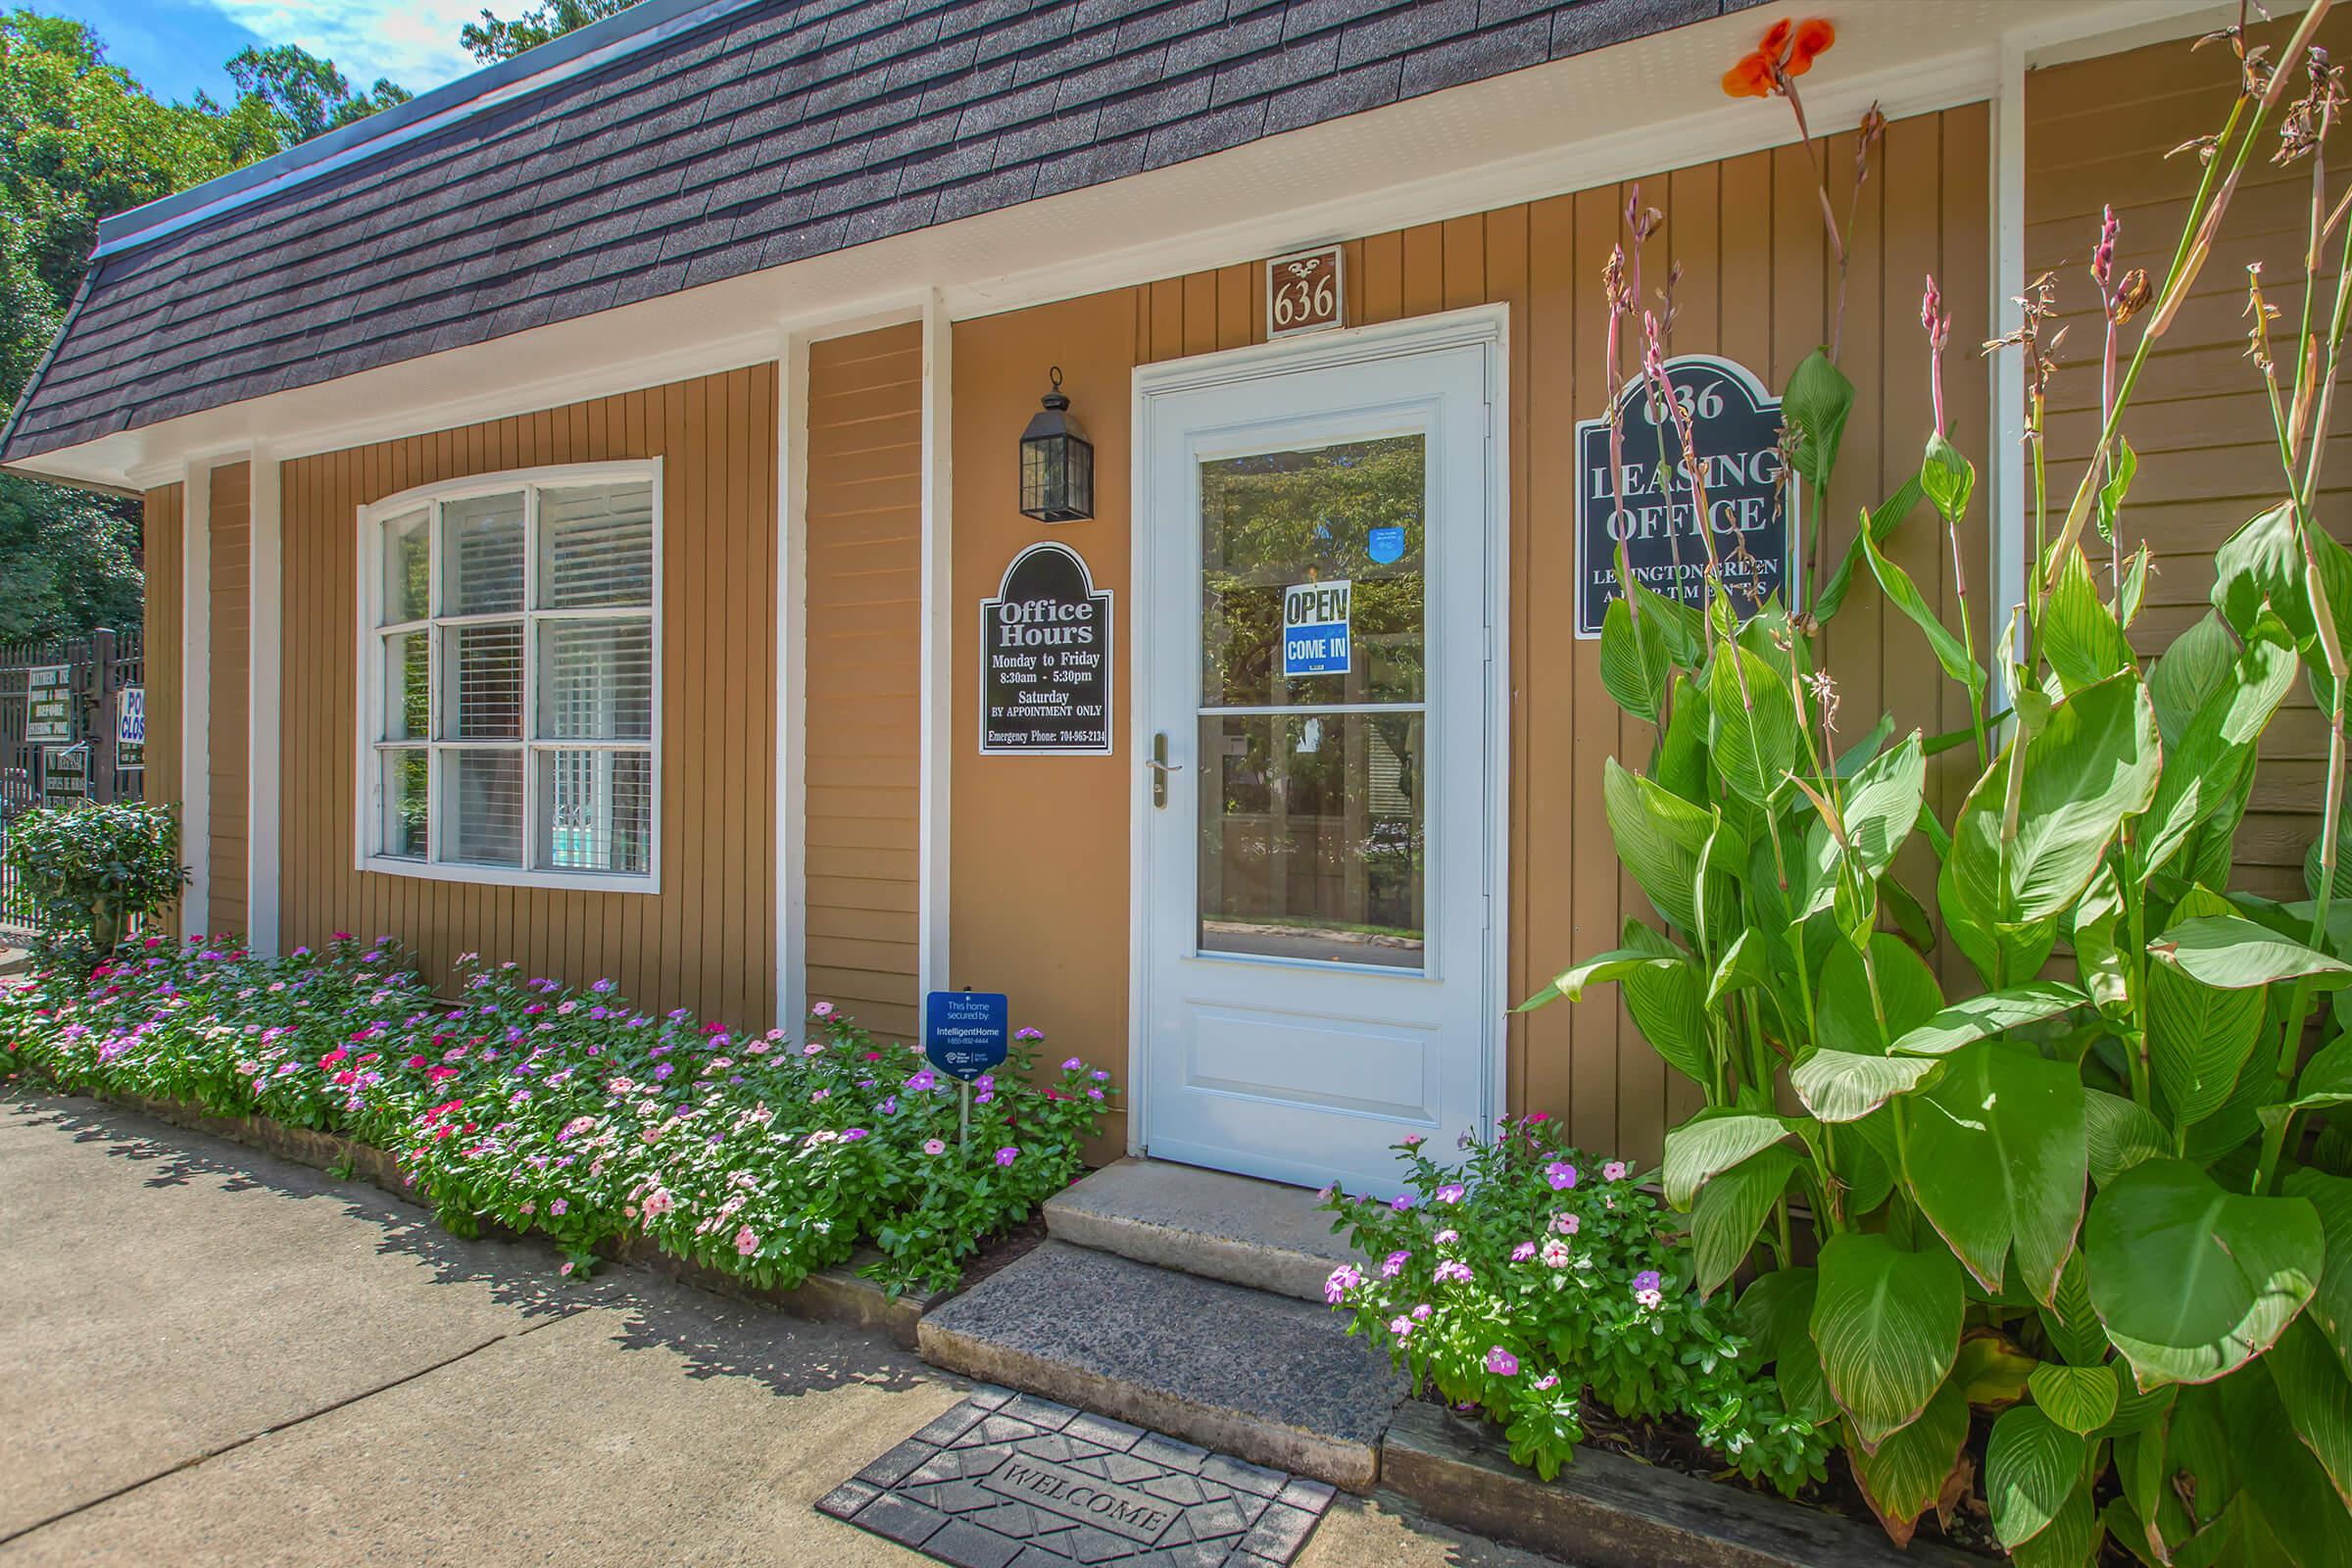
1386 546
1314 628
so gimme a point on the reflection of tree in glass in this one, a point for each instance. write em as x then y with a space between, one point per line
1280 519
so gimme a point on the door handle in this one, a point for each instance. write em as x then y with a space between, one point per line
1161 769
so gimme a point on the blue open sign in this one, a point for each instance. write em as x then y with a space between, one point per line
964 1032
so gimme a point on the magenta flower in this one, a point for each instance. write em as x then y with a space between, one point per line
1451 1193
746 1242
1560 1174
1523 1252
1008 1153
1072 1065
1451 1269
1346 1277
1421 1313
1401 1326
1393 1264
823 1009
1447 1237
1503 1363
922 1081
1647 1279
1402 1201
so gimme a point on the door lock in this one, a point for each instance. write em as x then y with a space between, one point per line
1161 769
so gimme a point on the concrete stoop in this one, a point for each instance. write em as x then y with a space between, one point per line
1242 1371
1259 1234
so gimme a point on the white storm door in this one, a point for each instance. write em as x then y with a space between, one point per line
1314 752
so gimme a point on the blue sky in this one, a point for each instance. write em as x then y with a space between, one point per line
175 47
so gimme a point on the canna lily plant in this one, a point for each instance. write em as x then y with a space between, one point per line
2022 1123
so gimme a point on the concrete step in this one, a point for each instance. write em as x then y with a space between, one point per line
1243 1372
1260 1234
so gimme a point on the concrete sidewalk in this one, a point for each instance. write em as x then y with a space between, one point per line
208 1356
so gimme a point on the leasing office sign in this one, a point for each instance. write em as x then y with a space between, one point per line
1736 426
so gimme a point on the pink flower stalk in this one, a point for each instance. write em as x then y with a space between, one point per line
1937 324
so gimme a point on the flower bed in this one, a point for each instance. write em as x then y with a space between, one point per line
566 1111
1531 1276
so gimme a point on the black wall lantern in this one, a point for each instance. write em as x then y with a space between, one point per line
1057 462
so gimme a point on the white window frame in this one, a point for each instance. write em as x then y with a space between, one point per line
368 731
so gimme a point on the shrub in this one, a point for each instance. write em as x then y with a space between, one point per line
542 1108
1532 1273
93 870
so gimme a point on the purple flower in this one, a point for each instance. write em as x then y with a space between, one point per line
1447 1237
1523 1252
558 1206
925 1081
1346 1277
1008 1153
1451 1269
1072 1065
664 1070
1402 1201
1560 1174
1451 1193
1647 1279
1503 1363
851 1134
1393 1264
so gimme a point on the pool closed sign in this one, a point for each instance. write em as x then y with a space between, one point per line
1653 510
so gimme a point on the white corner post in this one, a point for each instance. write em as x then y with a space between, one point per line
266 686
196 695
2009 550
792 685
937 710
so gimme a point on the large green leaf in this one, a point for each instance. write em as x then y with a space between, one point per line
1815 406
1776 1313
1989 1013
1680 764
1633 667
2031 1467
2070 1539
1999 1156
2210 752
1845 1018
2194 1280
1711 1143
2135 1411
1658 836
2072 1327
2199 1035
1947 477
2079 1398
2198 663
2263 564
1847 1086
2297 1503
1615 964
2121 1135
1665 1004
2079 635
1731 1211
1883 803
1754 715
1888 1323
2317 1397
1876 525
1903 1475
2231 952
2331 1301
1991 1371
2093 761
2099 933
1904 595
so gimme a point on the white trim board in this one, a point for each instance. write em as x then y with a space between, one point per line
792 684
1477 325
196 695
936 741
1567 125
265 704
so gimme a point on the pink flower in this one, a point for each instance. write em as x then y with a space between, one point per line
1648 1298
1393 1264
1567 1224
1451 1269
1421 1313
1451 1193
1447 1237
823 1009
1346 1277
1555 1254
1560 1174
1008 1153
746 1242
1613 1171
1523 1252
932 1146
1414 1140
567 1268
1503 1363
1401 1326
1547 1382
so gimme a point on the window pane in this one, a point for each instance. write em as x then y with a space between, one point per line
596 680
595 811
408 686
596 545
408 567
481 555
1312 836
1279 520
485 801
405 827
485 683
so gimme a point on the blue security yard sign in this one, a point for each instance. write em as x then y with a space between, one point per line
1314 628
964 1031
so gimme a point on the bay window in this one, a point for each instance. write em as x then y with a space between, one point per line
510 692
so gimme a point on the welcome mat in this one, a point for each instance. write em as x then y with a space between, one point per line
1013 1481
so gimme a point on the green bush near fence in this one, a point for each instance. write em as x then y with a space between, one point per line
92 871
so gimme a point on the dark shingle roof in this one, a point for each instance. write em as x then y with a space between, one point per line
777 132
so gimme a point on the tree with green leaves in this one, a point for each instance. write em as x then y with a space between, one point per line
496 38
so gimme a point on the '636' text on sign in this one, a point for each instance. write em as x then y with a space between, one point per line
1751 507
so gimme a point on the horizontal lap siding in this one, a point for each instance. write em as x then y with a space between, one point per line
707 940
162 535
2096 133
863 682
231 531
1758 285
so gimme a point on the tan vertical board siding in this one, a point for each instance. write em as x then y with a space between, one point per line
2096 133
231 673
1040 844
864 672
162 534
707 940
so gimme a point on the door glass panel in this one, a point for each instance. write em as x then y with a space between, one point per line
1276 521
1312 836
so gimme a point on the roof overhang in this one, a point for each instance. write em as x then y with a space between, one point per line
1630 110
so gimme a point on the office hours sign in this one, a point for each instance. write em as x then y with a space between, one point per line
1752 513
1045 659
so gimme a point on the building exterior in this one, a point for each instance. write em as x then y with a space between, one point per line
583 503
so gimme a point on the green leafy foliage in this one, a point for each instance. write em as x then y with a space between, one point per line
94 869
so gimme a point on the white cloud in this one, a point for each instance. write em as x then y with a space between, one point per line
414 42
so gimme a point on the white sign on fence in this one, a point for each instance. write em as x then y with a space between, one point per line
130 727
49 702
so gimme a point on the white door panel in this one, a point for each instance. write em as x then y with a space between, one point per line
1316 944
